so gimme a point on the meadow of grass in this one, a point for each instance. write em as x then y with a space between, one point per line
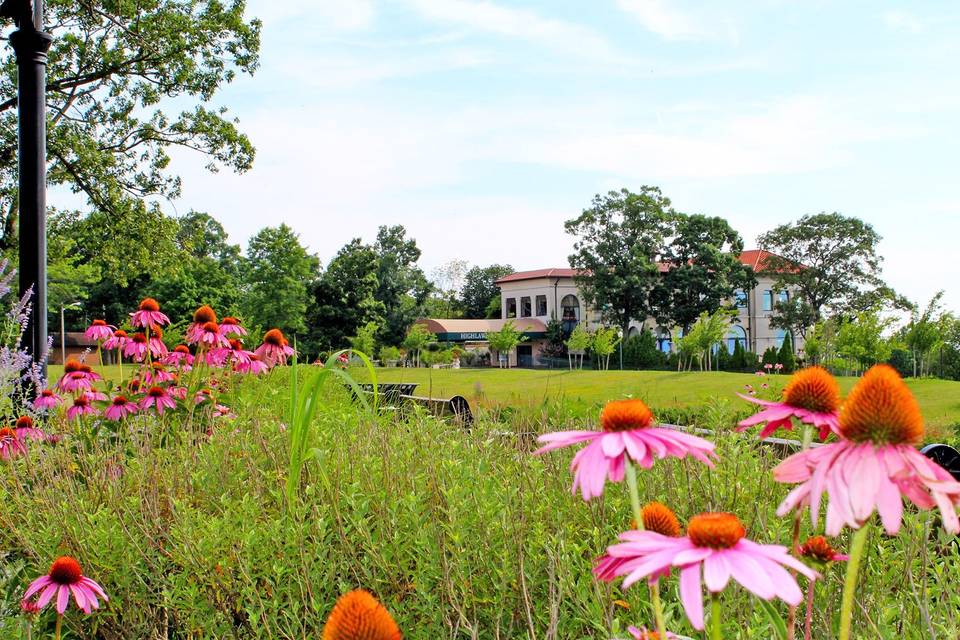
462 534
939 399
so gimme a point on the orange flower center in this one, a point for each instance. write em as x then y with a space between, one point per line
236 345
715 530
6 433
625 415
230 320
182 348
157 367
139 338
659 518
65 570
813 389
156 392
86 368
274 337
149 304
98 323
47 393
24 422
156 333
72 365
204 314
211 327
120 333
81 402
881 410
358 616
119 401
818 548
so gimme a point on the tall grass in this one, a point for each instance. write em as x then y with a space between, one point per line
461 534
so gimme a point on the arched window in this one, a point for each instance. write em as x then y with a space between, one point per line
779 337
736 334
664 340
633 333
569 312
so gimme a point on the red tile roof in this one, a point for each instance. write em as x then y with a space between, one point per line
756 259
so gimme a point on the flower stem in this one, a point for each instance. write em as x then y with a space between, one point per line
655 603
716 633
808 621
850 583
59 624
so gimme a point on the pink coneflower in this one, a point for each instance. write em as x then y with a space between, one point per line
118 340
203 395
25 428
778 366
99 330
120 407
231 326
73 382
180 393
157 373
239 355
628 435
256 366
81 407
812 396
11 444
180 357
657 517
156 344
717 543
93 394
644 634
874 465
47 400
817 550
136 347
91 374
201 316
159 398
768 366
65 578
210 336
760 373
148 315
223 411
274 349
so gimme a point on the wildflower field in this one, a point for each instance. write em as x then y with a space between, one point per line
207 490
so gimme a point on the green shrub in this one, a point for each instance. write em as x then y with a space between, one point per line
640 352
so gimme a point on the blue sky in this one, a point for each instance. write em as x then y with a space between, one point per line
482 125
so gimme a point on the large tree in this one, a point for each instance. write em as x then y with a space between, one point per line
402 287
480 289
126 83
279 274
618 244
703 270
830 259
345 297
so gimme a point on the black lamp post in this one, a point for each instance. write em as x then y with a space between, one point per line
31 45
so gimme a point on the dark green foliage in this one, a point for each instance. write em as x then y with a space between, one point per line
556 337
738 361
902 361
785 355
479 290
402 287
279 274
771 356
640 352
704 270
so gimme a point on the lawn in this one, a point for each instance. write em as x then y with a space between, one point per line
939 399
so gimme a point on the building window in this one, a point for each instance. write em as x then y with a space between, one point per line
569 312
734 335
541 306
779 337
511 307
664 340
768 300
525 309
740 296
784 297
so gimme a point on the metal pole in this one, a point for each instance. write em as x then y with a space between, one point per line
31 46
63 340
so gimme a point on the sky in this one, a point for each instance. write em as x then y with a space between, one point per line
481 126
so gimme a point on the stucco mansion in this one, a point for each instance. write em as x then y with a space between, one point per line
531 298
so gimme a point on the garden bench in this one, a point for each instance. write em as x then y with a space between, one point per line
400 394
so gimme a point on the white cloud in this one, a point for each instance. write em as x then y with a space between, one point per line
672 23
517 23
333 15
899 20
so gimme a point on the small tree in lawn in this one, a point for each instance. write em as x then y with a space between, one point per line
505 340
605 341
418 337
366 339
786 356
579 341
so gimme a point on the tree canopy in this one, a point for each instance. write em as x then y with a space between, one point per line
479 290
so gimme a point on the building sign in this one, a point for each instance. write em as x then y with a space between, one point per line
481 336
